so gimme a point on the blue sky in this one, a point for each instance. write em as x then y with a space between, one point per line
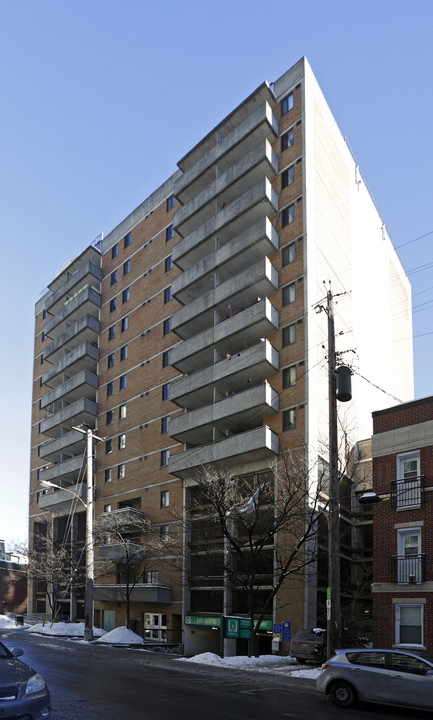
99 99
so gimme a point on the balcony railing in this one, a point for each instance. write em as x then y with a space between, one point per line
408 492
408 569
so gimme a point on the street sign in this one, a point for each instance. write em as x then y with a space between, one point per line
286 632
231 627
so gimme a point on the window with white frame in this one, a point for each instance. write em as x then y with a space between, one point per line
408 486
409 567
409 624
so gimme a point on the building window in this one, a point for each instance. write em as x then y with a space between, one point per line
288 254
108 475
287 140
409 559
108 447
126 267
107 508
166 358
289 376
122 441
169 233
287 177
122 382
121 471
44 314
113 304
127 240
114 277
409 624
167 295
109 417
165 424
163 533
125 324
123 352
151 577
170 203
166 391
289 335
288 215
289 294
122 412
286 104
125 295
408 485
165 454
289 419
112 332
114 251
166 326
165 499
110 360
110 389
168 263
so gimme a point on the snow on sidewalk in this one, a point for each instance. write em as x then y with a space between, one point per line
273 663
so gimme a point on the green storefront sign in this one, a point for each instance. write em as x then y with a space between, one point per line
203 620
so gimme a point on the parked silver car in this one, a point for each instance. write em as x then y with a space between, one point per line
23 693
394 677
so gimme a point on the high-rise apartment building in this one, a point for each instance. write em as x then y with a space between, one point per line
192 334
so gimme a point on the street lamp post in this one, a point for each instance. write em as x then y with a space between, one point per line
90 557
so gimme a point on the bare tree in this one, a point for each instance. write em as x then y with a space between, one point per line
126 540
269 523
50 564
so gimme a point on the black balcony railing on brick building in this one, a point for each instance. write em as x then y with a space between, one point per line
408 492
408 569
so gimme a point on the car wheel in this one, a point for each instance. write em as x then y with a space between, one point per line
342 694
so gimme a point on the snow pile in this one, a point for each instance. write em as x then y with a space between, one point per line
121 636
7 622
63 629
311 673
242 662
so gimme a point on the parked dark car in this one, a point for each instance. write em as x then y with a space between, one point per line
390 677
23 692
309 646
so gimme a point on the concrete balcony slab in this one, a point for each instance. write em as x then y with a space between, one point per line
83 383
257 203
87 300
236 180
260 124
86 329
83 357
81 411
87 274
228 375
60 501
227 338
258 445
235 414
258 241
232 296
72 443
143 593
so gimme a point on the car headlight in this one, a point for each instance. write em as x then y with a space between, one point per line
35 684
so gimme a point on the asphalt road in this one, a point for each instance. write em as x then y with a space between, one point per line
93 682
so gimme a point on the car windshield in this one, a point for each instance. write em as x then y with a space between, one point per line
4 652
305 635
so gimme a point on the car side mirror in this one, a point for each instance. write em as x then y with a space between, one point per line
429 672
16 652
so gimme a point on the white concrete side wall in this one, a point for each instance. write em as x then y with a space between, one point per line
347 245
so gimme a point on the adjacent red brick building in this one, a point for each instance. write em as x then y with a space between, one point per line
402 526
